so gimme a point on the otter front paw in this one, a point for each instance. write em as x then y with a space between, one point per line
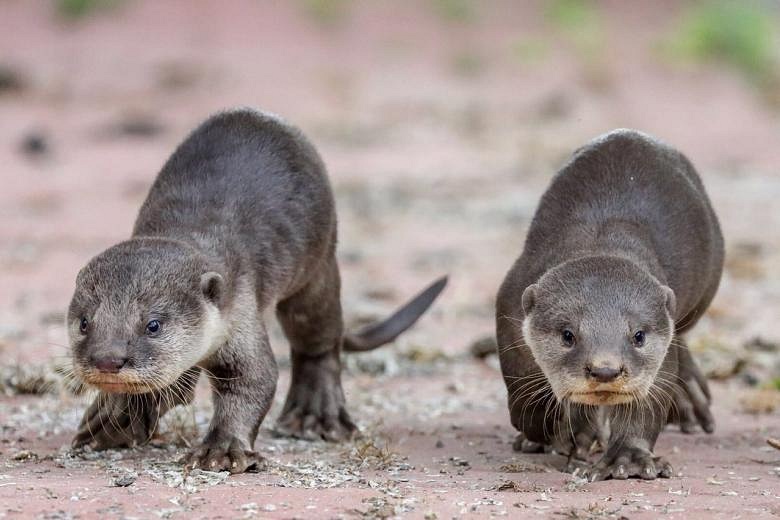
228 454
586 440
118 421
626 462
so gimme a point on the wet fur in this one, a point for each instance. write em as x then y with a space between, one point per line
629 216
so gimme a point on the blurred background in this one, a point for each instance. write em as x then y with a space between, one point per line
441 122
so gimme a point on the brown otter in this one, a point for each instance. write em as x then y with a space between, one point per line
623 256
240 218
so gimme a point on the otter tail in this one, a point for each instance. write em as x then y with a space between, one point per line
385 331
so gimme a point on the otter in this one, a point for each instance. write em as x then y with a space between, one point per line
240 219
623 256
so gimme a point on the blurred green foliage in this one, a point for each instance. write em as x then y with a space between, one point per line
582 22
571 14
455 10
742 34
530 51
80 8
327 12
468 64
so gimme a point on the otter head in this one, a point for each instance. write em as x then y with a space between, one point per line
599 328
143 312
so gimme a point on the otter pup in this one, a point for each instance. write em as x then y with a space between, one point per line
240 218
623 256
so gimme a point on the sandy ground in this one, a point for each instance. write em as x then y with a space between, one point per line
440 135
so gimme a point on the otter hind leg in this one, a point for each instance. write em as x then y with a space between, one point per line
692 396
311 318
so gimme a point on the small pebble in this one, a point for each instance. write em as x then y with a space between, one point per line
124 480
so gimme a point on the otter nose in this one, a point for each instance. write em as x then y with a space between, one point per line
603 374
109 364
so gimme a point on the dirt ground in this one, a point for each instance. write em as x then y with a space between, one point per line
440 132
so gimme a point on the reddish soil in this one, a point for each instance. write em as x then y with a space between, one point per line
439 135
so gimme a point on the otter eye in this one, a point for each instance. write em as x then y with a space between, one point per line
568 337
84 325
639 338
153 327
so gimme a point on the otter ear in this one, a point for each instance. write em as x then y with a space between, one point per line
671 300
212 285
529 298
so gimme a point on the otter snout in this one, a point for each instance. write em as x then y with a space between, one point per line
603 374
108 364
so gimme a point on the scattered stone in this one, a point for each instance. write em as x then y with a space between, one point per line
717 359
173 476
556 106
483 347
28 380
523 467
10 80
418 354
368 452
124 480
750 379
134 125
178 76
508 485
25 455
744 261
35 144
760 344
381 293
760 401
459 462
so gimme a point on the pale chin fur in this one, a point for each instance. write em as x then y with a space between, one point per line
532 347
213 333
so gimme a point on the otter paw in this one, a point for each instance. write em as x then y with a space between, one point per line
629 462
311 422
117 421
578 454
226 455
316 410
524 445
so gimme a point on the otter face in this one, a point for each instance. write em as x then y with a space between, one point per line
599 329
143 312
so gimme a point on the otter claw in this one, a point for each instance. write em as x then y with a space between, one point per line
524 445
627 463
227 455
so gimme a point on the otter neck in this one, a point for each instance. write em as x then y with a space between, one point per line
193 243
